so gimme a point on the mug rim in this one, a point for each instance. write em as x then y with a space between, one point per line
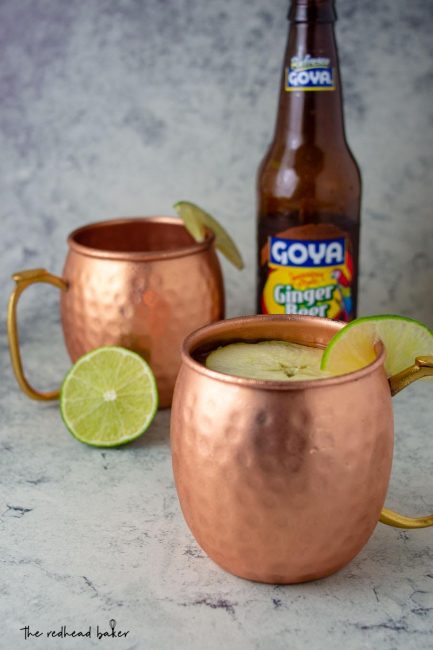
267 384
147 256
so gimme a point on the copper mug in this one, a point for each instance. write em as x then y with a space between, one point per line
141 283
284 482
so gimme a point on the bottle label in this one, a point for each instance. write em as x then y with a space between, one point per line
309 73
308 276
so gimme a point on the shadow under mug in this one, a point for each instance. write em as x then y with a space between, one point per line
140 283
284 482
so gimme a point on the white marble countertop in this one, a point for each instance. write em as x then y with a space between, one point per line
89 535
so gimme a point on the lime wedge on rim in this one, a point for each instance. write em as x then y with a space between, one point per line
197 220
109 397
352 347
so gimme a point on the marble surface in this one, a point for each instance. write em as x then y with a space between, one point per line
117 107
90 535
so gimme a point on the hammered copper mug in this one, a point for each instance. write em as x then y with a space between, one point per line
140 283
284 482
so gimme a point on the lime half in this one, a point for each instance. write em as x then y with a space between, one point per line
352 347
197 220
109 397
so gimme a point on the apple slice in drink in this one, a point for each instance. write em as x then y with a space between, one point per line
271 360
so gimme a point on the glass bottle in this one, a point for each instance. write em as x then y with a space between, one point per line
309 184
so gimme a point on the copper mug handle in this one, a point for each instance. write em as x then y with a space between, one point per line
423 367
24 279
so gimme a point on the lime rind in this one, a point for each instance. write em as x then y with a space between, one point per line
109 397
197 220
353 348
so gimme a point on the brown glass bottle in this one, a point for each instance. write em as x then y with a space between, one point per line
309 185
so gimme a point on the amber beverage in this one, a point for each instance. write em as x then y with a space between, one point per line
309 184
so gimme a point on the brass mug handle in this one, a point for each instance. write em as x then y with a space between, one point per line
423 367
24 279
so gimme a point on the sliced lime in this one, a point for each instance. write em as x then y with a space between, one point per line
197 220
271 360
109 397
352 347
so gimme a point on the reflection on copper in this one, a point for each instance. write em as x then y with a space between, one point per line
280 482
140 283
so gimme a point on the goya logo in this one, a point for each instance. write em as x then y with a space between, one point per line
306 253
310 73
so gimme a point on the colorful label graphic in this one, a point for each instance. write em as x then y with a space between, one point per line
309 73
308 276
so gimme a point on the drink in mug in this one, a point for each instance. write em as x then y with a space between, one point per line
141 283
270 360
280 480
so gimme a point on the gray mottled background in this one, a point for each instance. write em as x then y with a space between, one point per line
121 107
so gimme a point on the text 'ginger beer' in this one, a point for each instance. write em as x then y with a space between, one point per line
309 185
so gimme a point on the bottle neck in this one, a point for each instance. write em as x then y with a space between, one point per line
310 106
307 11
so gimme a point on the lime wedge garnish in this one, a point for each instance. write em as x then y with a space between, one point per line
109 397
352 347
269 360
197 220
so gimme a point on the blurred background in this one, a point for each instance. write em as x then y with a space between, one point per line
122 107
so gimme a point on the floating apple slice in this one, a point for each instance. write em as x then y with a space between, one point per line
271 360
197 220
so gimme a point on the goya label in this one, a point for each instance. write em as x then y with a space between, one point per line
308 276
309 73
